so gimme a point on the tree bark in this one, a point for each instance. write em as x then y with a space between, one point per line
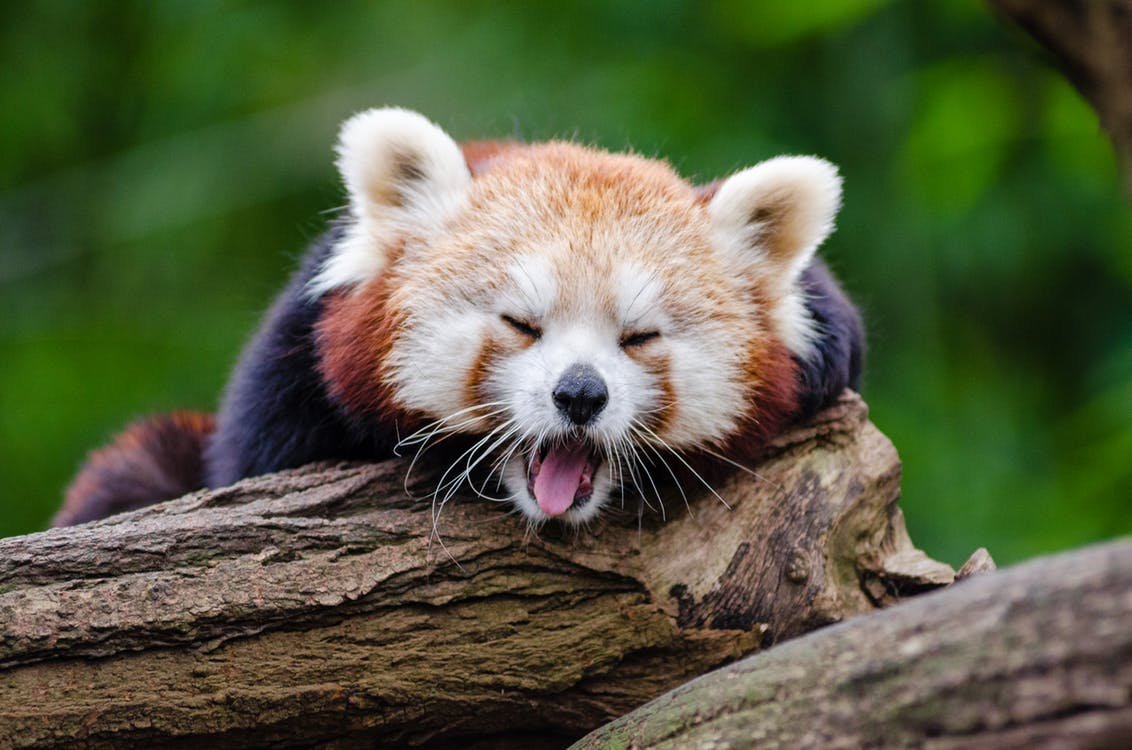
1037 656
1091 42
321 606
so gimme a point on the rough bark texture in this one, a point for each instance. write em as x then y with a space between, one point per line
317 606
1037 656
1091 42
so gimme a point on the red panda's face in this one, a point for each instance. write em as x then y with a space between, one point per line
584 314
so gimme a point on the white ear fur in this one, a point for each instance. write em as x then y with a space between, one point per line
768 221
776 213
402 174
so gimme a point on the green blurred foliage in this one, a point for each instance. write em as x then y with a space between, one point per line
164 163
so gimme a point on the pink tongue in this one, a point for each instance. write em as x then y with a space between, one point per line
558 479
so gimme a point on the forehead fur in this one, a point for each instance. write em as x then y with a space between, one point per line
560 172
587 214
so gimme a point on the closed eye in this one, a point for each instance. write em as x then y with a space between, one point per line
527 329
638 338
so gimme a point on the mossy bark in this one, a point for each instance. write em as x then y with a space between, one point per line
1037 656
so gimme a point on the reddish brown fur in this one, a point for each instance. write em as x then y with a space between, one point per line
481 154
773 382
490 351
155 459
667 405
355 335
579 193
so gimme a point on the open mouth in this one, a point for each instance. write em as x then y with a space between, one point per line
560 474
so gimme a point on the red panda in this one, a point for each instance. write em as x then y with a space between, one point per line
578 318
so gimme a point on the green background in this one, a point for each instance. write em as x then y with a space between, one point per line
164 163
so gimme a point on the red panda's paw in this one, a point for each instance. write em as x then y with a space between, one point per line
154 459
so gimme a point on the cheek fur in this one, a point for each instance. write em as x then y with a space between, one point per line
486 361
659 415
771 403
354 338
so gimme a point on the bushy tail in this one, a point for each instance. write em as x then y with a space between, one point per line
154 459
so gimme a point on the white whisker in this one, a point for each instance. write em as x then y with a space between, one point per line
635 455
675 479
696 474
441 483
737 465
439 426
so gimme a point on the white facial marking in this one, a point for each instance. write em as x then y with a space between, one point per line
527 379
705 379
639 293
531 290
704 371
429 367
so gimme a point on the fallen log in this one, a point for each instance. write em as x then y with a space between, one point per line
323 605
1036 656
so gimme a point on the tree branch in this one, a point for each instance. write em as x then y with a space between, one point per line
1037 656
317 605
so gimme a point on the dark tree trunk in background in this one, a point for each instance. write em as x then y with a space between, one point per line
1091 43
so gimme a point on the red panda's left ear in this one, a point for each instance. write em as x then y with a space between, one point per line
404 175
769 219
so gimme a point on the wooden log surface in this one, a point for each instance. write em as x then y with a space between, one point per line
1036 656
317 606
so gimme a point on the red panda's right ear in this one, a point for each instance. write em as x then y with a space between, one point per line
403 175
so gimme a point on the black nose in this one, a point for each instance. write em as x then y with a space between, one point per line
580 393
